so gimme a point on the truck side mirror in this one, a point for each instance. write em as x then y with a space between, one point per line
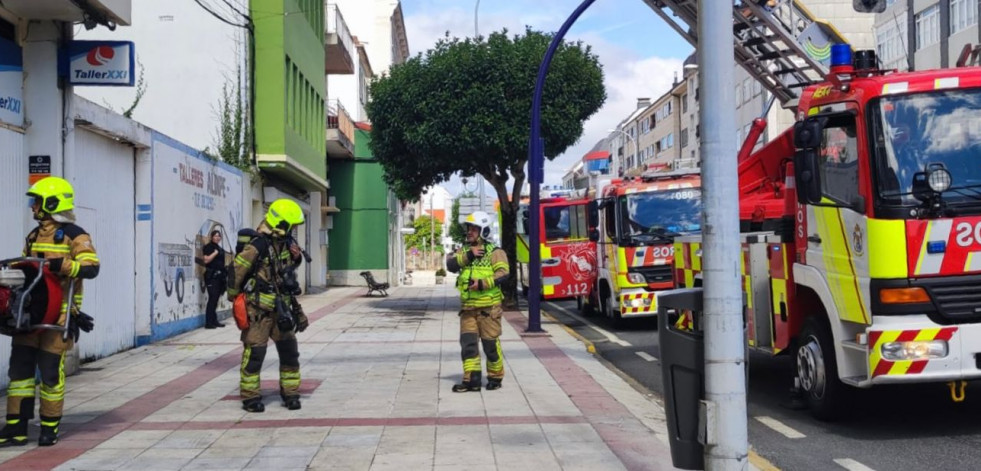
592 210
594 235
807 176
869 6
809 132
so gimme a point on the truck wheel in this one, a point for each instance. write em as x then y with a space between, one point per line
585 306
817 370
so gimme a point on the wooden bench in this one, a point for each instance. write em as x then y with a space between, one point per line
374 285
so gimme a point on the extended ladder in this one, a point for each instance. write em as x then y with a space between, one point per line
778 42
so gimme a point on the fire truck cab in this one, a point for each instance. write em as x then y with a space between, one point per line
568 257
636 221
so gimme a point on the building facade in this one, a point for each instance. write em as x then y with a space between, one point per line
926 34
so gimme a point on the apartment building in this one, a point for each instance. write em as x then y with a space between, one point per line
925 34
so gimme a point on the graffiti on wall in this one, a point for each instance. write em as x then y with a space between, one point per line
193 197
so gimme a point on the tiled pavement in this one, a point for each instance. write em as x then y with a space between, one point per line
376 395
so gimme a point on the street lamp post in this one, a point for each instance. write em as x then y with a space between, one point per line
480 182
629 138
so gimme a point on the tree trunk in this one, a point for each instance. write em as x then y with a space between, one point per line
508 240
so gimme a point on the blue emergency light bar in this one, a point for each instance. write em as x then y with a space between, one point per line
841 55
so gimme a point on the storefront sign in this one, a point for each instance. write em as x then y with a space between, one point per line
38 167
103 63
11 83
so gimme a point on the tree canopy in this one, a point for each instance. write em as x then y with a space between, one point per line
465 107
425 229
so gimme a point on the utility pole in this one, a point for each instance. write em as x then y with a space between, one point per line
432 229
726 446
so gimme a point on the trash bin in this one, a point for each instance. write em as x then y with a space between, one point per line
683 372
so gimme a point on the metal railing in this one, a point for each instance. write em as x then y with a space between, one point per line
338 118
337 25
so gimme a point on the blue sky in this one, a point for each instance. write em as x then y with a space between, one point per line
640 53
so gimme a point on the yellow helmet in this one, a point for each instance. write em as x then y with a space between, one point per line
55 194
283 215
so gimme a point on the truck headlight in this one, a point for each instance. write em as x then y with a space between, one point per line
636 278
914 350
639 302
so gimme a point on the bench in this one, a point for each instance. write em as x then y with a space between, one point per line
374 285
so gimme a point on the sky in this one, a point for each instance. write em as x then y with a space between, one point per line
639 52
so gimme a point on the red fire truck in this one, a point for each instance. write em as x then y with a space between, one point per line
568 256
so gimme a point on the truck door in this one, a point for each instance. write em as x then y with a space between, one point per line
568 257
836 234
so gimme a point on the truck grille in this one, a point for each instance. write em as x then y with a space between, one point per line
655 274
958 299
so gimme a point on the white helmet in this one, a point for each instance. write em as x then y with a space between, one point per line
481 220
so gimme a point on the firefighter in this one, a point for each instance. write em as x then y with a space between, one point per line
69 253
482 269
266 271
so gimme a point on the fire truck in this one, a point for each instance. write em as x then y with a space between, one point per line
636 220
861 225
568 256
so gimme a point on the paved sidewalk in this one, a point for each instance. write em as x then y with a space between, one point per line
376 385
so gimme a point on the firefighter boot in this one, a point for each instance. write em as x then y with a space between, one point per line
254 405
493 384
468 384
291 402
49 431
15 432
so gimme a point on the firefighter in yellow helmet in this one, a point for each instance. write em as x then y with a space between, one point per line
265 271
482 269
69 253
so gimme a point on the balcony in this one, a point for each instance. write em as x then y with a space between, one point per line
117 12
340 131
338 44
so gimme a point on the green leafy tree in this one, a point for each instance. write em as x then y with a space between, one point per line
233 140
424 227
456 229
464 107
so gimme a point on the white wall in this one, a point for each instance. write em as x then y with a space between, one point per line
187 56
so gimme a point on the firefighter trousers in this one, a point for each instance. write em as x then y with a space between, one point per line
481 327
42 351
262 327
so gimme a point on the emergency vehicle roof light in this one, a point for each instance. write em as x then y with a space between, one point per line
841 55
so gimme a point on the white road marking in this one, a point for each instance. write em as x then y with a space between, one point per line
646 356
779 427
609 336
852 465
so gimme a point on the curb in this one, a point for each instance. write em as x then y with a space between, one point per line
589 345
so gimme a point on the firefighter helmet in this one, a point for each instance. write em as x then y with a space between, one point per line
481 220
283 215
54 194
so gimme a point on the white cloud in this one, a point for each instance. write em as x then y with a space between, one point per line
627 76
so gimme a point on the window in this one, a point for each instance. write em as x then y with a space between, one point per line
747 91
838 160
557 224
890 40
963 14
610 218
684 138
739 93
684 103
928 27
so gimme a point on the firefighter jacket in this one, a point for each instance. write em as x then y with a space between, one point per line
489 271
255 262
70 254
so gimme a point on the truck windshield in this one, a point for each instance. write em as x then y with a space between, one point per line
912 131
660 215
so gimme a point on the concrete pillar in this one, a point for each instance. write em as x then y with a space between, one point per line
43 99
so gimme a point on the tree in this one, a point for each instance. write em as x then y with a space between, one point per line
233 139
464 107
420 240
456 229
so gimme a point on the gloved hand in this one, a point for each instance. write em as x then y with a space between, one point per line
80 322
54 264
302 322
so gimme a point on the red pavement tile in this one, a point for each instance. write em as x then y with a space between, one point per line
637 451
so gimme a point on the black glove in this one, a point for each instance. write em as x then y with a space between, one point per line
84 322
54 264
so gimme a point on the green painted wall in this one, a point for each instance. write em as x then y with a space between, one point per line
359 239
289 80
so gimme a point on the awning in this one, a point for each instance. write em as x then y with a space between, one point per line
597 155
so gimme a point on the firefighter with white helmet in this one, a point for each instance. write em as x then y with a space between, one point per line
482 269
